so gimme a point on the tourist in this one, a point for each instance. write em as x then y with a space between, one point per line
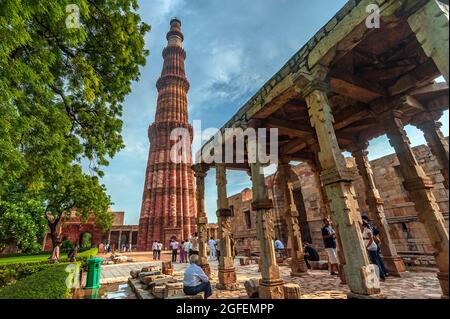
212 249
376 238
372 248
329 241
182 252
310 254
187 250
73 253
158 250
155 249
217 248
174 246
55 253
194 241
279 247
195 280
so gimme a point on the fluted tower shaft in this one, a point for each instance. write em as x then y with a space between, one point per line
168 208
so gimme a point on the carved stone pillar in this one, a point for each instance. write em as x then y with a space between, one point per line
393 262
430 24
200 171
298 265
436 141
338 182
419 187
326 213
271 284
227 273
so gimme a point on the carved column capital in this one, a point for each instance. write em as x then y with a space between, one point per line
308 81
200 170
360 149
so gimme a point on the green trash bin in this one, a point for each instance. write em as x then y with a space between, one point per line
93 273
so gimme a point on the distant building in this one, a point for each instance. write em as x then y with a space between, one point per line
87 233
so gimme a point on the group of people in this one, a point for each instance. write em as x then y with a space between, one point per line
180 251
156 248
371 242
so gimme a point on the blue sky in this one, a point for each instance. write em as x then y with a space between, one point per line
233 47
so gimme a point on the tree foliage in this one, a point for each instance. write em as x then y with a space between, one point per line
61 95
21 225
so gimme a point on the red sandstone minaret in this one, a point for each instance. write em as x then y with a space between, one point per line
168 208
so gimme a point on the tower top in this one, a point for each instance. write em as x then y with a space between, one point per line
175 36
175 20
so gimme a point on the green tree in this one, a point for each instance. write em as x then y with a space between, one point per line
21 225
63 80
75 192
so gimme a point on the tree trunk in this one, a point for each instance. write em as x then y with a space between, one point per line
54 231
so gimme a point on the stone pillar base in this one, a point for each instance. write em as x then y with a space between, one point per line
352 295
298 267
298 274
443 280
227 279
394 265
231 286
271 289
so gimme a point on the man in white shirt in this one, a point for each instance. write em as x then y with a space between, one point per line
195 280
158 250
155 249
211 244
174 246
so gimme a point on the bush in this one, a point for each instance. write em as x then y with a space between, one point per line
10 272
49 283
67 245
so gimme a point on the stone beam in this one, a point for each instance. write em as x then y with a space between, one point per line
355 87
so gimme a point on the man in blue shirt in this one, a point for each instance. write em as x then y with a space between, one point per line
195 280
279 247
329 241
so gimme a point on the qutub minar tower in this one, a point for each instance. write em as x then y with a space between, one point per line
168 208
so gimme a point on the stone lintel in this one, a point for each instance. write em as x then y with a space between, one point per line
262 204
418 183
336 175
224 212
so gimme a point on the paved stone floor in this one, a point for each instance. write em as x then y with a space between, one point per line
317 284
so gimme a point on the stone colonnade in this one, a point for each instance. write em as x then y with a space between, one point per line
430 25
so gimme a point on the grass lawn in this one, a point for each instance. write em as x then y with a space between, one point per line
40 258
49 283
23 259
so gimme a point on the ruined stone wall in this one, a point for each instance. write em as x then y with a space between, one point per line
406 231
